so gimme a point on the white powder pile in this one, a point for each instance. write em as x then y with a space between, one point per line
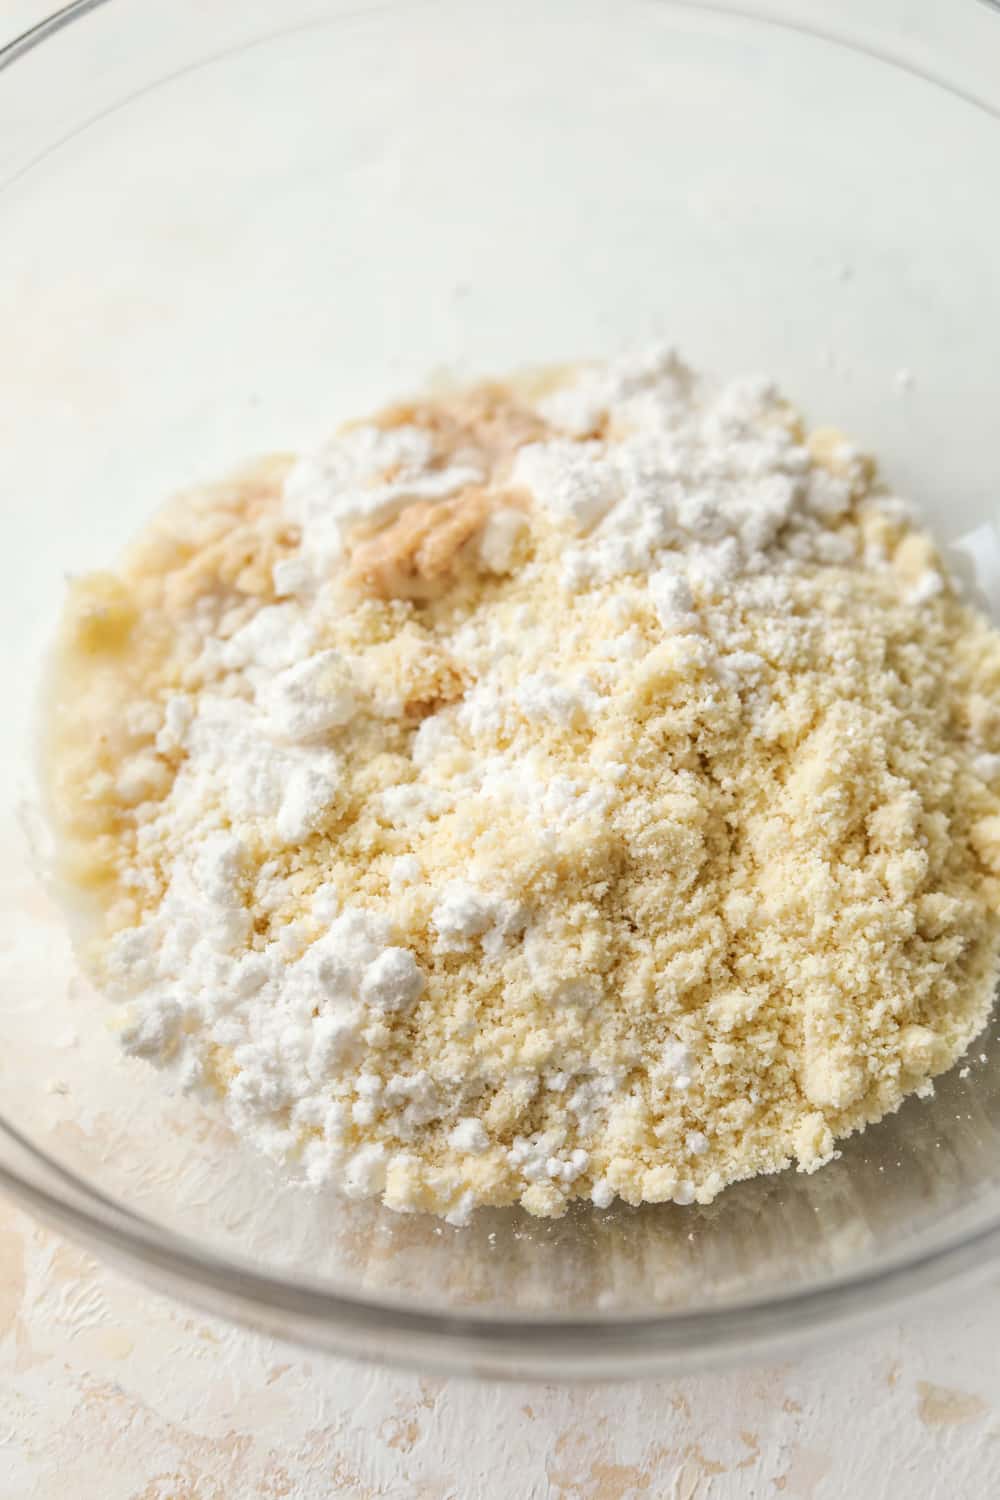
528 797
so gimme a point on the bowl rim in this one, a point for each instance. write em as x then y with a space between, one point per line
533 1346
608 1343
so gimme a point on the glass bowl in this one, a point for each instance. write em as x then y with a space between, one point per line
225 228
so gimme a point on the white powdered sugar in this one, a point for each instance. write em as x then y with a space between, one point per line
498 544
712 477
392 981
307 700
575 482
542 695
464 914
461 914
469 1135
673 600
235 772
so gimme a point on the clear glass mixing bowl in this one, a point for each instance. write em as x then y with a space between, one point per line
225 227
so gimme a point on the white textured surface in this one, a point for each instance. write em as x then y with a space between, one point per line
107 1393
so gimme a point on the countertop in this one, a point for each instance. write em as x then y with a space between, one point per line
108 1392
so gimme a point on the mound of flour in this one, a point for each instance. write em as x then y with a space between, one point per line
592 795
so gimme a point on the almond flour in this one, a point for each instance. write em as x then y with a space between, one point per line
585 793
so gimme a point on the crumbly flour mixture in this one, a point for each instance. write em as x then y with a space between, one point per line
581 790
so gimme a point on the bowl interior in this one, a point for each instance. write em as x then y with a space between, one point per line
222 235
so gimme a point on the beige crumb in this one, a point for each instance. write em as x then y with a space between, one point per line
421 553
490 421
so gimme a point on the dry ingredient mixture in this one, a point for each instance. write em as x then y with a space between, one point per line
581 790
